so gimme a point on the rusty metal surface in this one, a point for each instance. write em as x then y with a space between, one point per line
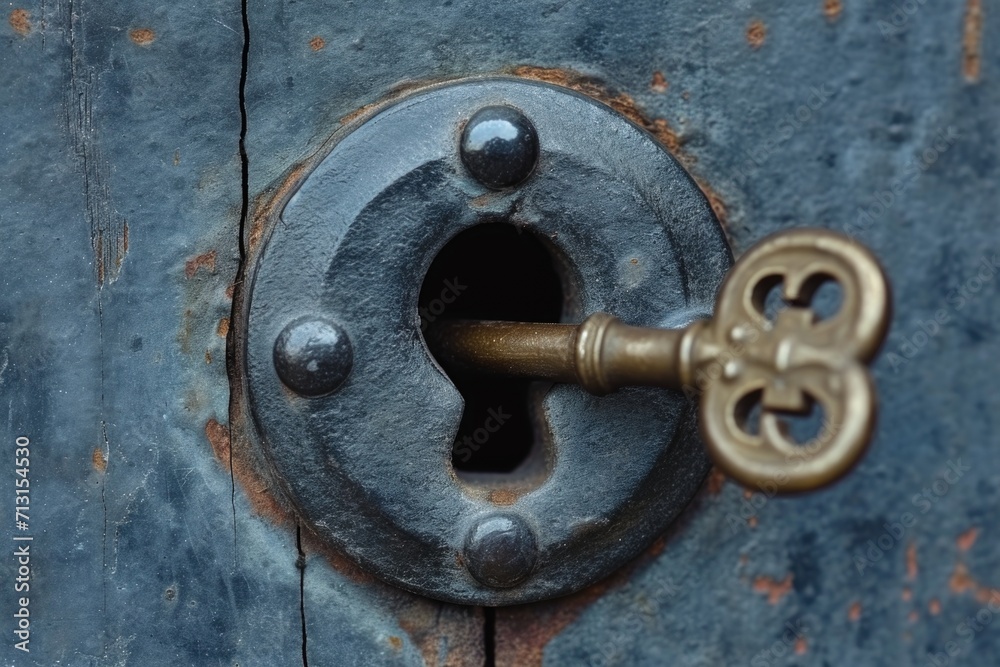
368 467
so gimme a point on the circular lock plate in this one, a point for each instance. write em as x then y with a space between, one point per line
360 440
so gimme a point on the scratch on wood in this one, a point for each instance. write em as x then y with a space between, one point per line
972 37
108 229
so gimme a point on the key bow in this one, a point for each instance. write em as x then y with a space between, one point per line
742 357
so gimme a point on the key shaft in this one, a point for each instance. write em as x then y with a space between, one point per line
602 354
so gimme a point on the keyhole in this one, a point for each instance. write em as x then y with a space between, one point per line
494 271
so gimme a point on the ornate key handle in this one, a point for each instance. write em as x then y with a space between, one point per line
790 362
737 359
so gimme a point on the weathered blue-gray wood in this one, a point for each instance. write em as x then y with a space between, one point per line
829 109
143 562
120 207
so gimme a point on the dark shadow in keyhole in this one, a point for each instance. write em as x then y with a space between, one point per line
493 271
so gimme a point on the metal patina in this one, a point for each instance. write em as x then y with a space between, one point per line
368 467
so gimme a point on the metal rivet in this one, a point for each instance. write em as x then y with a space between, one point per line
499 147
500 550
313 356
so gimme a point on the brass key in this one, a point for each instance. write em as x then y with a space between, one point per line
733 361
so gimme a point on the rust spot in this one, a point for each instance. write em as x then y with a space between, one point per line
504 497
634 261
773 589
967 539
218 437
744 559
222 330
801 646
317 43
962 582
911 562
266 202
396 93
98 459
832 9
907 594
262 501
523 632
396 643
124 243
854 612
230 290
142 36
913 617
627 106
748 494
20 21
433 627
756 34
203 261
716 480
934 607
659 84
752 522
972 37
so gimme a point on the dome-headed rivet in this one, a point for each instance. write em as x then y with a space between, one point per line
499 147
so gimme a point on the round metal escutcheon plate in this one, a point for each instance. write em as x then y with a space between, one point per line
356 422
